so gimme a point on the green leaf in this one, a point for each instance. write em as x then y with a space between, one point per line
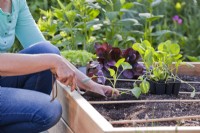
139 48
60 4
129 21
177 65
145 86
119 62
122 1
154 18
112 15
136 91
71 15
146 44
161 47
174 48
148 58
177 57
128 5
126 65
112 71
161 33
94 13
193 58
58 14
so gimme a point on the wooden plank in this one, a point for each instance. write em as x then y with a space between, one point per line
60 127
156 130
79 114
193 71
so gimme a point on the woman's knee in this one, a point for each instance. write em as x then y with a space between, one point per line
52 114
40 48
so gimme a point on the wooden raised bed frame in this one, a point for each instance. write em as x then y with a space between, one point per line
80 117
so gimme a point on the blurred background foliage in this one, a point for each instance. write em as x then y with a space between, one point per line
79 24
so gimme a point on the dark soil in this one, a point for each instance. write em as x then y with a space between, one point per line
113 112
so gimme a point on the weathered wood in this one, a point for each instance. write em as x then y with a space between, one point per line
197 117
193 71
76 112
156 130
145 101
60 127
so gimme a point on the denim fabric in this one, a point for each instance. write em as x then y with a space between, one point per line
25 105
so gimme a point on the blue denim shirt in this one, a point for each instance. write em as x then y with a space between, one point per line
20 23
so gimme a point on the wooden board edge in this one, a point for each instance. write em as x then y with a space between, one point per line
189 68
79 111
156 130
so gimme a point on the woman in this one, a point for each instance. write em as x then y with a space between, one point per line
26 77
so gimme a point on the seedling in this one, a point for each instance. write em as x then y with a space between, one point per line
115 74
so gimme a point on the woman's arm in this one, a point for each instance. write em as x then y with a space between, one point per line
66 73
20 64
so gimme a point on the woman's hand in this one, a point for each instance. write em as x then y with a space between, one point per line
65 73
104 90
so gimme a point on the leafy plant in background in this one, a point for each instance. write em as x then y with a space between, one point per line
183 33
108 56
117 20
78 57
35 6
71 25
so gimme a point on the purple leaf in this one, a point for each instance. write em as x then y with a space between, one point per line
111 63
101 78
115 54
128 74
131 55
139 69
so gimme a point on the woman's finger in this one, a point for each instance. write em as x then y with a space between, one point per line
73 87
68 82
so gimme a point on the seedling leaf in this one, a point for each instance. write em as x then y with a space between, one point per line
126 65
112 71
136 91
119 62
145 86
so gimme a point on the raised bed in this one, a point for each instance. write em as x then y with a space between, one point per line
81 117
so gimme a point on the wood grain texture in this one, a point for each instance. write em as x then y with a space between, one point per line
189 70
79 114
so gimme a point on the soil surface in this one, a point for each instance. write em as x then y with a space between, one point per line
114 112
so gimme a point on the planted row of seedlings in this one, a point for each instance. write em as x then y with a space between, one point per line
157 83
183 101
